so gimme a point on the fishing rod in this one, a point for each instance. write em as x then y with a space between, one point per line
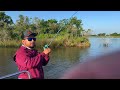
47 45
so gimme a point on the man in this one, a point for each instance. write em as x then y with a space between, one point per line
27 58
102 67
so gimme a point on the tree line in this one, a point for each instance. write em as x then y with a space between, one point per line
104 34
12 31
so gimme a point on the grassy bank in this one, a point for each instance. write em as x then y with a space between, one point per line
64 41
10 43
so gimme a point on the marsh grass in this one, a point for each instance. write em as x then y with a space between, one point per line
63 41
59 41
10 43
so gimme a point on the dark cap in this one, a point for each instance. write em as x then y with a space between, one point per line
28 33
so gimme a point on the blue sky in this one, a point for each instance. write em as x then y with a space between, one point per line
99 21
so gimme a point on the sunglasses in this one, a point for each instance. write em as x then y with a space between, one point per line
30 39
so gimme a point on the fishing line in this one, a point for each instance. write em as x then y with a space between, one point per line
47 45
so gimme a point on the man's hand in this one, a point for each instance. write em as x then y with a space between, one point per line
47 51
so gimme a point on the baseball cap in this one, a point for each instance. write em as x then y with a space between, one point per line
28 33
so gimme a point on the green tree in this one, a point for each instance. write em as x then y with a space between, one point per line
5 19
52 26
6 26
101 34
75 26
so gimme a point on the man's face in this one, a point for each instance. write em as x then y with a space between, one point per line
29 41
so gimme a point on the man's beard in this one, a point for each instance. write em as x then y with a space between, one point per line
33 46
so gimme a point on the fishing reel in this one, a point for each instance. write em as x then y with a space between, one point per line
46 46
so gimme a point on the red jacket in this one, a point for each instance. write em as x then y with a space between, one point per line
32 61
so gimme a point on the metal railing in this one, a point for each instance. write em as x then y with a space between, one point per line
16 73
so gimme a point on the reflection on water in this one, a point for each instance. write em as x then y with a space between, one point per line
61 58
7 65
